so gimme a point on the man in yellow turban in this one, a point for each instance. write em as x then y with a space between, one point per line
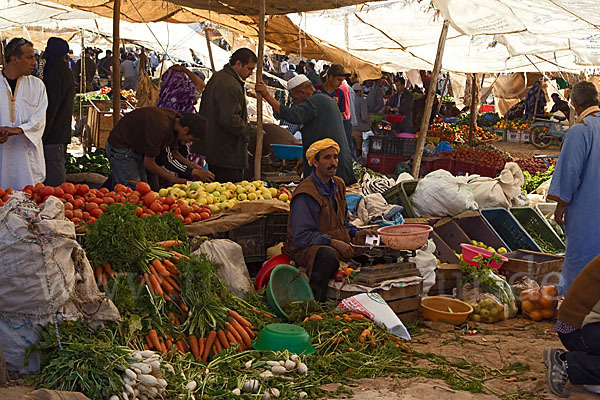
319 230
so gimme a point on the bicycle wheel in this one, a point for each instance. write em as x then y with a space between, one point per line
540 137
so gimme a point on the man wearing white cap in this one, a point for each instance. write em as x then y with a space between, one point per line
320 117
361 131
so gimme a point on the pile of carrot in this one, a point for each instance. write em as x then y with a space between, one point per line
237 331
103 274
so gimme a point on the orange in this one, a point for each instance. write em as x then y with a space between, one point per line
551 290
527 306
547 313
546 302
534 296
348 271
535 315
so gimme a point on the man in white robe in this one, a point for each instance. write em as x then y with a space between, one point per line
23 105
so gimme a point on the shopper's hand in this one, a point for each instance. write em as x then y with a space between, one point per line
345 250
10 131
3 138
203 175
559 214
261 88
361 235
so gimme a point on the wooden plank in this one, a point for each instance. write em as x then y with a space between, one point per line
405 305
409 316
116 71
401 292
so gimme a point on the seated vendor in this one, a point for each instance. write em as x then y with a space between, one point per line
319 232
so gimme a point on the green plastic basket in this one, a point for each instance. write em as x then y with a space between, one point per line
278 337
287 285
534 223
400 194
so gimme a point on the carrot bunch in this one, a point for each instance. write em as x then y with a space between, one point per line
103 274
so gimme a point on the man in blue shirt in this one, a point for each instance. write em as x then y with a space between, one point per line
319 230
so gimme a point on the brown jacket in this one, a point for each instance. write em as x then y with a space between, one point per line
330 222
582 303
224 107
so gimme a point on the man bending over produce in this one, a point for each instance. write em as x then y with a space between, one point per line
578 327
319 232
141 135
576 185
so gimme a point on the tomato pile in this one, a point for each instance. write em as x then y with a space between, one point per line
85 204
478 156
534 165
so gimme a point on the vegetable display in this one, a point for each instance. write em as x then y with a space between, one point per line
533 181
95 161
478 155
535 165
458 133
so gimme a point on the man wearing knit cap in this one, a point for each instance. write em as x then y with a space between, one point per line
319 231
60 89
320 117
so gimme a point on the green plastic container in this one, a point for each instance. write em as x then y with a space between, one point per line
532 221
287 285
400 194
375 118
278 337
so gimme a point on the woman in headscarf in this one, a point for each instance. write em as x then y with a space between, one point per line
60 90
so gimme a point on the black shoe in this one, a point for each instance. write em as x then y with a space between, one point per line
556 375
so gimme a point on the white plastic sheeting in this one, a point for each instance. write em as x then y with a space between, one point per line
485 35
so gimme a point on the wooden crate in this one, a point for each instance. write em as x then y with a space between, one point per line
447 278
100 120
543 268
404 301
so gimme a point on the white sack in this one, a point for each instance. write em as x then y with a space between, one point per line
440 194
427 264
45 277
503 191
229 258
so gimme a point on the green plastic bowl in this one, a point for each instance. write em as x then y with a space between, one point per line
375 118
285 286
278 337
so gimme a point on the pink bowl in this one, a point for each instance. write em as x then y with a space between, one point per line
405 237
470 252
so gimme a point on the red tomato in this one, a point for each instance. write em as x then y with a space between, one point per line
104 190
90 206
143 188
97 200
156 206
86 215
38 186
139 211
185 210
46 191
77 214
68 197
133 198
78 203
169 200
75 220
68 214
204 215
96 212
28 187
9 191
187 221
165 208
195 207
108 200
58 192
83 189
68 188
120 188
103 207
91 220
149 198
68 206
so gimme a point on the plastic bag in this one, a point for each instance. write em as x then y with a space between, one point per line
521 284
440 194
489 282
375 308
539 303
232 269
486 308
427 264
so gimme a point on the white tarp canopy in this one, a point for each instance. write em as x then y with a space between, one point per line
484 36
175 40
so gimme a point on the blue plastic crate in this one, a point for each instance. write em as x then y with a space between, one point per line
287 151
509 229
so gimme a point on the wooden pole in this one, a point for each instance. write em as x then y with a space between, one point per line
429 101
210 56
473 108
259 107
442 95
537 98
116 72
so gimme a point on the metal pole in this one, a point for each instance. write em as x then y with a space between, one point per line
429 101
116 73
259 99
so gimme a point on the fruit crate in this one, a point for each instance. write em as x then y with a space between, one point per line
252 239
444 163
533 222
400 194
384 164
427 166
462 168
443 252
451 234
392 146
447 278
509 229
477 228
276 228
486 171
543 268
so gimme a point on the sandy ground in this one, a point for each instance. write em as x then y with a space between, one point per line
523 150
496 346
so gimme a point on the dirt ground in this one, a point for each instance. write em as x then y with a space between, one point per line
524 150
495 346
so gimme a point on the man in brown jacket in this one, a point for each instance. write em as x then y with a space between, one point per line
578 327
224 107
319 232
